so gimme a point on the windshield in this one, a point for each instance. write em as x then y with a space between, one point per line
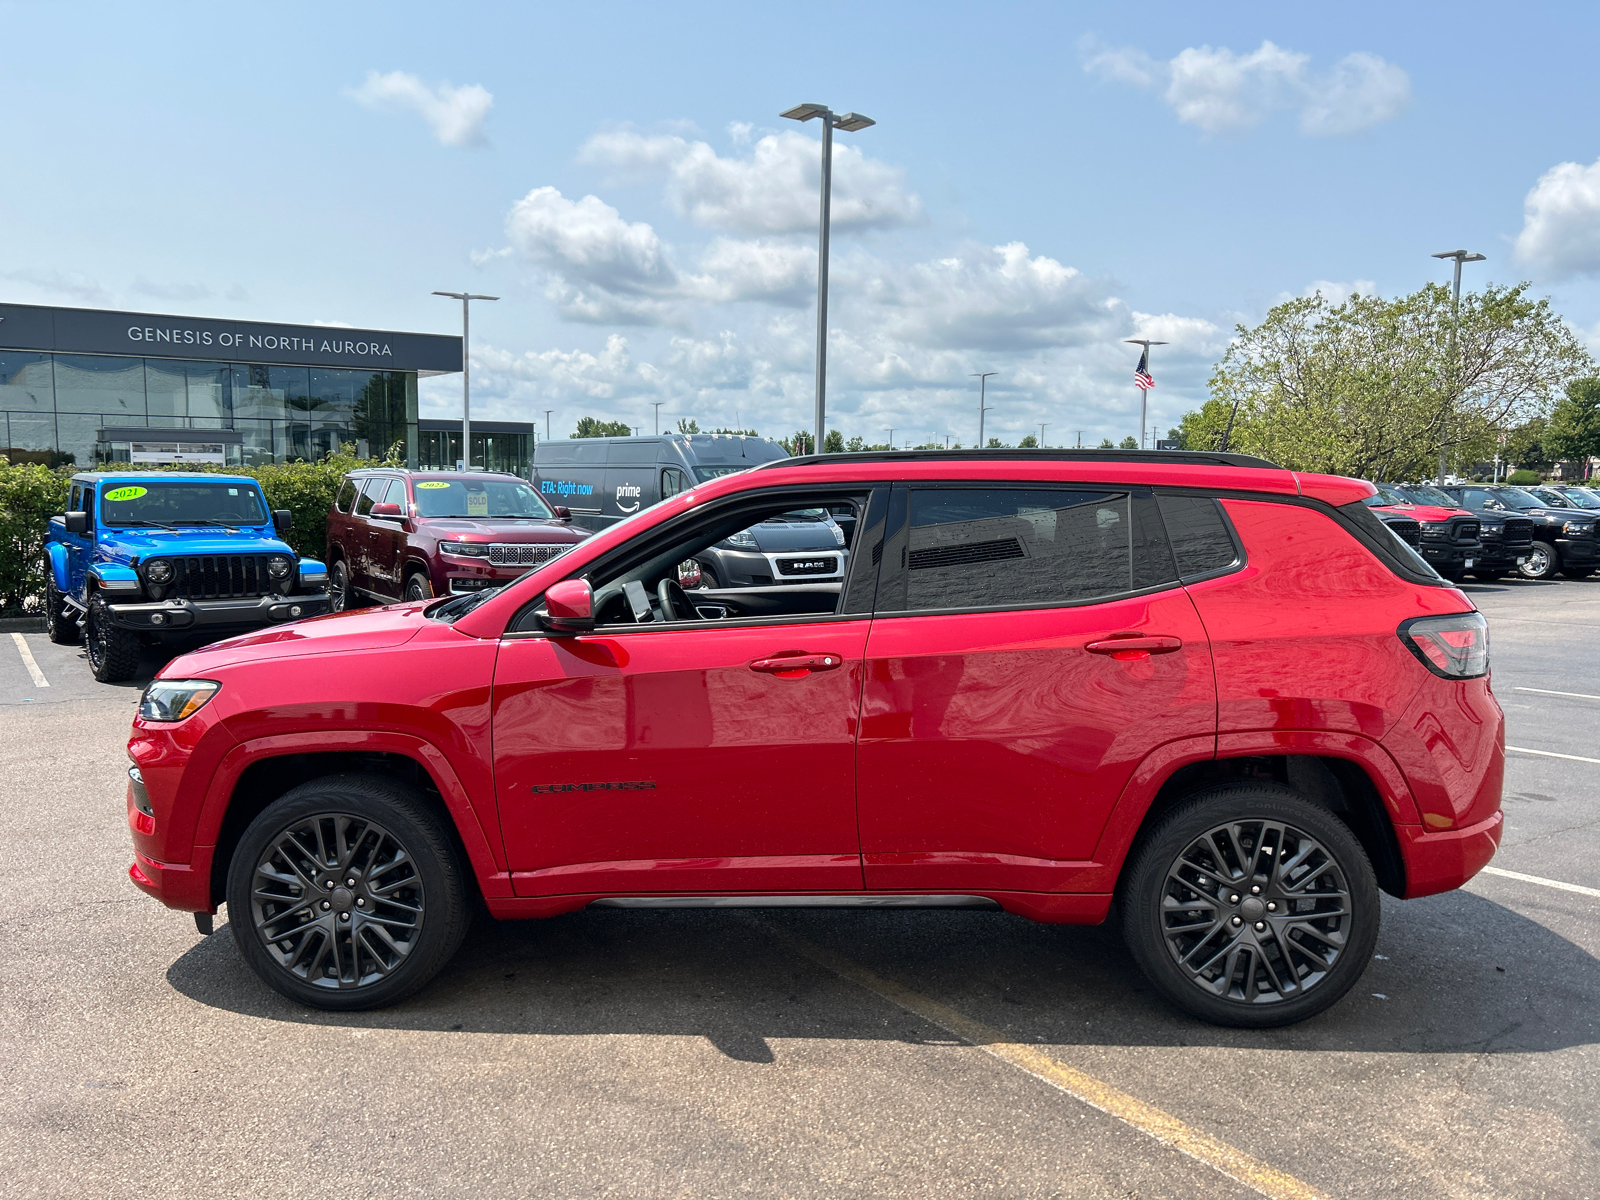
1385 497
798 514
155 502
506 498
1431 495
1517 498
1581 497
705 473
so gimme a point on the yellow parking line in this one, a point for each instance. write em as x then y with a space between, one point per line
27 660
1146 1118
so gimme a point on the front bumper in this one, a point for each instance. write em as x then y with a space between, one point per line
170 616
755 568
1577 551
1452 554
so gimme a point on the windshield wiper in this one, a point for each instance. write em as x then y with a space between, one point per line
209 521
157 524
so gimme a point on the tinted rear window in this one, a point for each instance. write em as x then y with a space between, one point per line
1201 540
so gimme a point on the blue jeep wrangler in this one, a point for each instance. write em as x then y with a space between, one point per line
138 559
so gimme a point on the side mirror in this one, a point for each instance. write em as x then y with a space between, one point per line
282 519
564 513
689 573
78 523
385 512
569 606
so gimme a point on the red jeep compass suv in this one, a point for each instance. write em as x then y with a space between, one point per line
1215 693
409 535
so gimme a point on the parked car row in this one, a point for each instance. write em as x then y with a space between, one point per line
1490 530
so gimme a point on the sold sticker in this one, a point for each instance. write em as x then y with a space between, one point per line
477 504
433 483
126 493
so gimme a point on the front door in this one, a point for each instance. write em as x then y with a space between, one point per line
677 752
1000 718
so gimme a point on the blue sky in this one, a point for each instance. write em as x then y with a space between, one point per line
1043 181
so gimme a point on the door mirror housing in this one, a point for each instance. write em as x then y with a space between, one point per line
564 514
282 519
385 512
77 522
569 607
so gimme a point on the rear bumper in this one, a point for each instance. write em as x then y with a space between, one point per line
174 615
1444 860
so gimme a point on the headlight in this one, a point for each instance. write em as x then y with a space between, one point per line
470 549
158 570
838 536
1435 526
279 567
743 540
175 699
1577 529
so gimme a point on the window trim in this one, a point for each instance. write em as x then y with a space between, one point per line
1241 556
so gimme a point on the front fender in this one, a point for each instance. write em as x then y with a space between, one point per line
60 568
117 582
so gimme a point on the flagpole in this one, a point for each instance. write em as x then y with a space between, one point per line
1144 392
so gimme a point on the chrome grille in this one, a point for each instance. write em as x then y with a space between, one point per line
522 554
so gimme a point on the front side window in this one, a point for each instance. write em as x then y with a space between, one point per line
154 502
504 499
672 482
1482 500
371 489
1021 547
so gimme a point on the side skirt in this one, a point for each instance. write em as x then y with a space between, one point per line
901 901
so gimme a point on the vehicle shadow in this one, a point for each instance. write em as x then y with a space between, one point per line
1456 973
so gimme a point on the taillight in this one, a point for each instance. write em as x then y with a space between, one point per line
1454 647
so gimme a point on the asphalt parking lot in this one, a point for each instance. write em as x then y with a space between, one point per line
708 1054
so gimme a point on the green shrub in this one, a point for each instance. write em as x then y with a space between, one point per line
1524 478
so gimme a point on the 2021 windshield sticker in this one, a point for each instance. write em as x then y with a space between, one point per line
125 493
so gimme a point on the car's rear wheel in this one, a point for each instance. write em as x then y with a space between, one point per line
339 598
1248 905
113 653
1542 563
418 587
348 893
59 626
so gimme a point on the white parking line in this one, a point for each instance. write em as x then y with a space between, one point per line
1548 692
1551 883
27 660
1551 754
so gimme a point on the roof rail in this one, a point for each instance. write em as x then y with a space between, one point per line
1207 458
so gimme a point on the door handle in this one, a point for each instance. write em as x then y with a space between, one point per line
1139 646
797 665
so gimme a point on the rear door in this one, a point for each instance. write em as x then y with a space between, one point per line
363 535
1030 646
386 541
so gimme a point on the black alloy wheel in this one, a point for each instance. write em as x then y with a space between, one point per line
348 893
59 626
417 587
338 587
1248 905
1544 560
113 653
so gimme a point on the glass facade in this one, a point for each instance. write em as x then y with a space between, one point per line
494 448
54 406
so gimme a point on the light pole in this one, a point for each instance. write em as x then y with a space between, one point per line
656 404
547 413
466 299
849 122
1142 379
1460 256
1042 426
889 429
983 383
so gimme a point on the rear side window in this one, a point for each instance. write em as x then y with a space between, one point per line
1021 548
1201 541
346 496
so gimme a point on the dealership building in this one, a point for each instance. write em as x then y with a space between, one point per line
89 386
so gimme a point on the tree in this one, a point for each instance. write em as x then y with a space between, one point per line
589 427
1028 442
1128 443
688 425
1107 444
1574 430
800 443
1528 445
1176 435
833 443
996 444
1369 387
855 444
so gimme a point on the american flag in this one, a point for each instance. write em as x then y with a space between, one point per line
1141 373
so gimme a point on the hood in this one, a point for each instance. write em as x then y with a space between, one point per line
777 537
186 543
531 531
1426 512
364 629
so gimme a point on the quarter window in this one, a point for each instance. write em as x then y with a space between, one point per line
1199 535
347 495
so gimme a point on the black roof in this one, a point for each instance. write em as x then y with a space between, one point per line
1206 458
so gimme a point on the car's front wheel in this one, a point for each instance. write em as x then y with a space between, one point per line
417 587
348 893
59 626
1543 562
338 587
113 652
1248 905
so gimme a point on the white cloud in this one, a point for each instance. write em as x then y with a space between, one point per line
56 284
1218 91
774 190
456 114
1561 222
1337 291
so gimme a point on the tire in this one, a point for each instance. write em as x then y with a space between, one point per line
1488 576
1544 560
412 915
418 587
1577 572
339 597
59 627
1241 980
113 653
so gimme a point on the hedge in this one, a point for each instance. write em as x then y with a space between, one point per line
31 494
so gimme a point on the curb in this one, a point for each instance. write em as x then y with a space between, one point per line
21 624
